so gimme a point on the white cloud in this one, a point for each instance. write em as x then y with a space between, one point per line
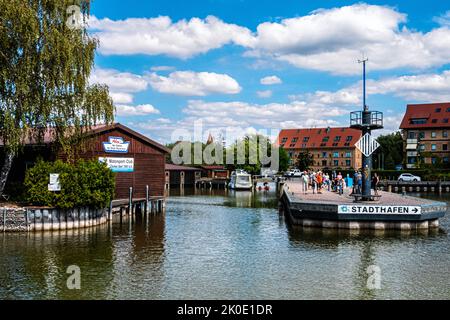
189 83
154 36
424 87
270 80
328 40
119 81
139 110
162 68
121 97
444 19
264 93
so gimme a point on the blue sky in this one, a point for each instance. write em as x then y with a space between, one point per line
252 65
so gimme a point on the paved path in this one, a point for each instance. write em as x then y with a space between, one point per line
387 198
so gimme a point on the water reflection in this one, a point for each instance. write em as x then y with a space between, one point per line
227 245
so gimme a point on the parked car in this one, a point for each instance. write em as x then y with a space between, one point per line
408 177
296 173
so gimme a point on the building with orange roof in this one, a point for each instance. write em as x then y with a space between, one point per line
425 130
331 148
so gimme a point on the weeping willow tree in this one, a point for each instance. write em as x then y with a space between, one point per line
46 57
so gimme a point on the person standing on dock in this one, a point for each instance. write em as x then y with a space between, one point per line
305 182
375 182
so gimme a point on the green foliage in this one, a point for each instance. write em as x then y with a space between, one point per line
45 65
86 183
284 159
390 152
304 160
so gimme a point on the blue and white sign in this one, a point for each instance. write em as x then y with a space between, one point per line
118 164
116 145
376 209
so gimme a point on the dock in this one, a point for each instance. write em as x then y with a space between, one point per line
331 210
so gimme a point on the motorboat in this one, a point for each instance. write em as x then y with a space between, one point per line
240 180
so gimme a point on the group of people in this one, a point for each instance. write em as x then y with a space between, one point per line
358 180
316 181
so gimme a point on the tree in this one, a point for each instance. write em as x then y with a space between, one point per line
46 57
284 159
390 152
250 145
304 160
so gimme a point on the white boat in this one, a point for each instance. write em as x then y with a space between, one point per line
240 180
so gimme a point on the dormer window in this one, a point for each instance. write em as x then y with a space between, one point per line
438 110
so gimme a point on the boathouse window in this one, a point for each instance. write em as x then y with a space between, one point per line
444 147
438 110
445 120
434 121
421 135
335 154
336 163
433 147
433 134
433 160
422 147
445 159
444 134
348 163
348 154
324 154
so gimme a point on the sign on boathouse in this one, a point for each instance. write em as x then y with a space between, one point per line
116 145
118 164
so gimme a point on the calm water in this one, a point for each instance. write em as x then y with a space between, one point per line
233 246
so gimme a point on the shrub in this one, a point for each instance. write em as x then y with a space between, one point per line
86 183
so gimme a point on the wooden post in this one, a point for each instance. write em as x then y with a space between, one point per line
146 199
110 210
130 202
26 219
4 220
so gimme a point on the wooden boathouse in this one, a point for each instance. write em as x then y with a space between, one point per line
137 160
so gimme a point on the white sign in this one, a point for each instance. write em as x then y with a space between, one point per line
116 145
374 209
367 145
54 182
118 164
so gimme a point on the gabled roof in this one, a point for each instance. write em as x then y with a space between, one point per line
48 136
429 115
340 137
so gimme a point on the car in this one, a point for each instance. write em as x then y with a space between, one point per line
296 173
408 177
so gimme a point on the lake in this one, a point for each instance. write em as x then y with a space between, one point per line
225 245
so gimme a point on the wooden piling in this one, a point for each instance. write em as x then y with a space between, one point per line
130 202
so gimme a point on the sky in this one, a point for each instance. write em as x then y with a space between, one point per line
241 66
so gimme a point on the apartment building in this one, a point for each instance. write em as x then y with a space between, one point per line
331 148
425 129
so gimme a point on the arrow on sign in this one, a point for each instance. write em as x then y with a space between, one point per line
367 145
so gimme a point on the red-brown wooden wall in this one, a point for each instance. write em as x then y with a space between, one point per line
149 163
